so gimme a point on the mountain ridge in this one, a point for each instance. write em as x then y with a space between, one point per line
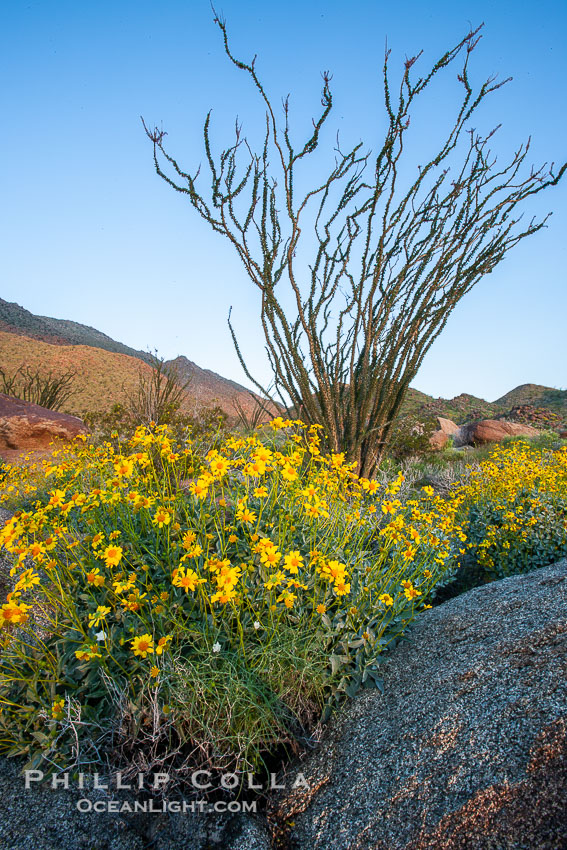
208 387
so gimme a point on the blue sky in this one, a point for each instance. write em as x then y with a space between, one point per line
90 233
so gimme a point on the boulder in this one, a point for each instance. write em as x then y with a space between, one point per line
25 426
492 431
467 745
440 438
447 426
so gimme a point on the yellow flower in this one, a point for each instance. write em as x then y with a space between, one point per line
293 561
112 556
36 551
187 579
341 588
199 488
163 644
154 672
161 517
143 645
270 557
57 498
386 599
224 595
94 577
245 515
288 598
124 467
333 571
414 534
100 614
410 591
27 580
194 552
219 466
255 469
57 709
263 454
13 612
289 473
88 653
274 580
371 486
337 460
188 539
321 608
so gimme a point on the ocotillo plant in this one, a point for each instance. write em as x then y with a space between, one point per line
391 257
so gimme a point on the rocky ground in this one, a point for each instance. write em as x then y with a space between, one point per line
465 749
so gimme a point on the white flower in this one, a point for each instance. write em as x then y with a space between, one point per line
101 636
257 625
216 647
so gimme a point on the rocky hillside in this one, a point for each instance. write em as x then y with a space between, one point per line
22 335
104 378
542 407
100 375
106 369
16 320
534 395
208 388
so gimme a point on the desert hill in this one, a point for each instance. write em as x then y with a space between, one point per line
104 378
535 395
100 374
17 320
106 369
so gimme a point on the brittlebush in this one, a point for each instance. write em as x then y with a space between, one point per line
225 598
515 509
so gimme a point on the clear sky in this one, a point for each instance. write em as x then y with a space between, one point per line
90 233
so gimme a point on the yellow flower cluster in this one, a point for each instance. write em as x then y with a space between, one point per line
134 552
516 502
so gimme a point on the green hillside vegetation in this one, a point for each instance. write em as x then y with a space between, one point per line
535 395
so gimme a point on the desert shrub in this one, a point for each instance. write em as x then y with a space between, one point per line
207 426
410 437
49 390
547 440
158 395
261 412
514 505
205 619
